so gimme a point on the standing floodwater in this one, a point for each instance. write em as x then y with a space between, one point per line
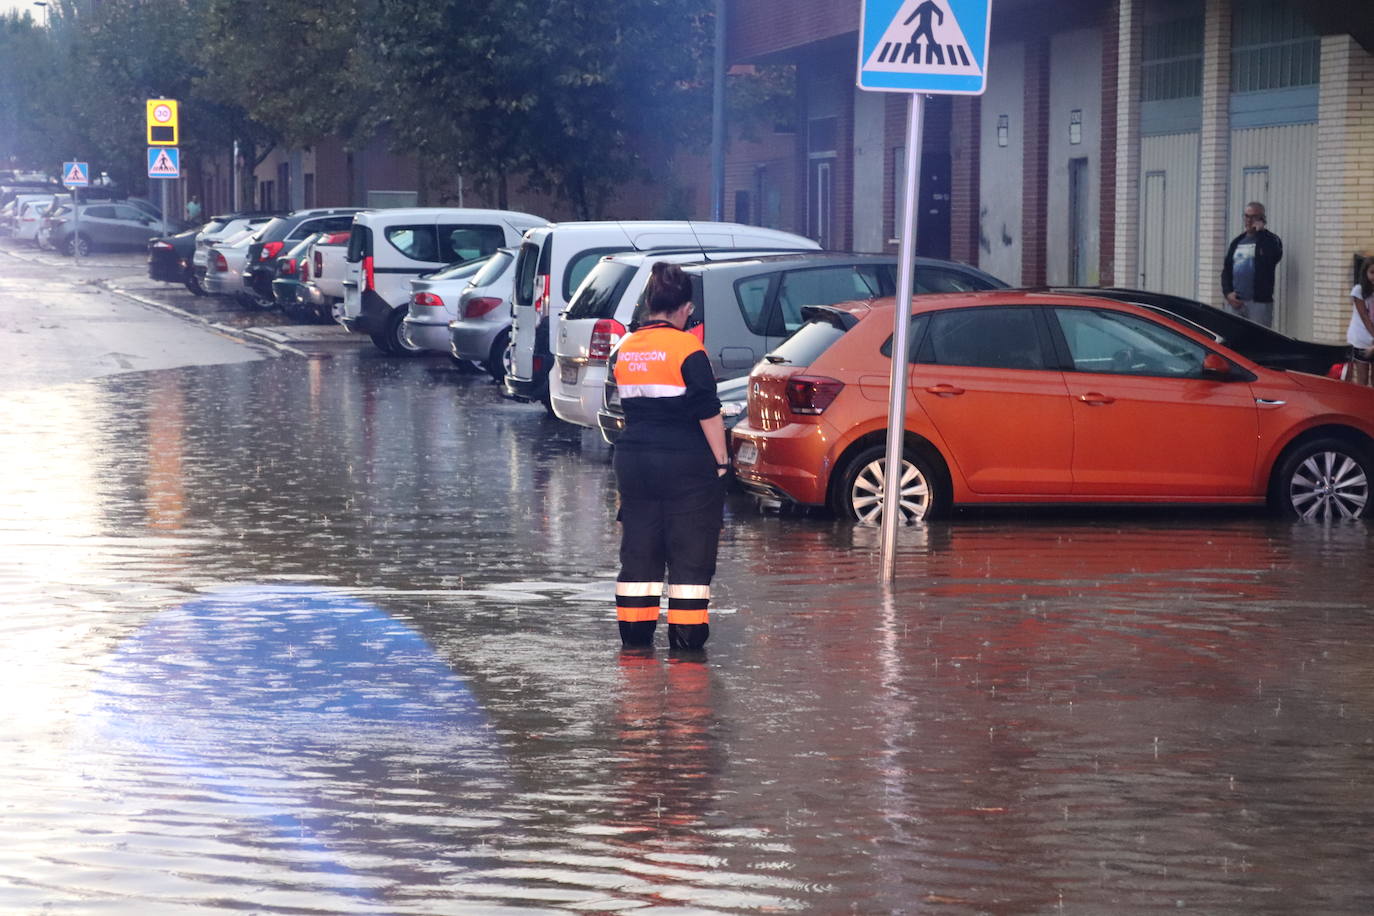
334 636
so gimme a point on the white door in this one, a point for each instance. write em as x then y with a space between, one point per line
1154 210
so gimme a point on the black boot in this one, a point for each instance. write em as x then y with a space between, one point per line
637 635
688 636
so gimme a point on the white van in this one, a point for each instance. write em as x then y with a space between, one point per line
389 248
599 314
555 259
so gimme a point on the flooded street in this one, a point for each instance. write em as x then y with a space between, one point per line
337 636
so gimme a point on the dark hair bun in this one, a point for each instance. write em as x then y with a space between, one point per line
669 287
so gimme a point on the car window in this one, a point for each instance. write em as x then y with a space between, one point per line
1120 344
990 337
752 295
602 290
415 242
581 265
130 213
803 348
942 280
913 338
822 286
525 273
328 224
99 212
463 243
496 265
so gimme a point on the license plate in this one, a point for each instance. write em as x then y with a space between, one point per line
569 374
746 452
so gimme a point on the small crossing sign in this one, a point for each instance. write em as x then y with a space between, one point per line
929 46
76 174
164 162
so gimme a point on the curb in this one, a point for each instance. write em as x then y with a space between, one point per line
266 338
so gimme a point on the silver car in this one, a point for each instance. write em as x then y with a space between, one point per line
107 224
481 330
224 264
434 304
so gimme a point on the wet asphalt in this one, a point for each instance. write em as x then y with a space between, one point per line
295 627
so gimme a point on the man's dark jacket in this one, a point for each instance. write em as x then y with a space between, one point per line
1268 254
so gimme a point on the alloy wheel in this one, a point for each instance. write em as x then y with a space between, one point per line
1329 485
866 492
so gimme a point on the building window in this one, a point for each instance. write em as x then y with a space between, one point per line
1171 60
1272 47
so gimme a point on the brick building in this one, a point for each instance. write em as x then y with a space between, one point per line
1117 142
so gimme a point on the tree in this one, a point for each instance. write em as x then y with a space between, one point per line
557 92
27 68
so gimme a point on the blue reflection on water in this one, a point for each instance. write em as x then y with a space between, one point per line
303 710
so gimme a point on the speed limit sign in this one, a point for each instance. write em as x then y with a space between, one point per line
162 122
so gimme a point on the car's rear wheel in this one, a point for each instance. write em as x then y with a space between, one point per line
496 357
395 341
193 284
1324 480
78 245
860 494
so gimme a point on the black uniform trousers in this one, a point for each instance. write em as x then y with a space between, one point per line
671 510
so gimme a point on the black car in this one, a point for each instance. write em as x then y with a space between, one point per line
1254 341
170 259
282 233
286 285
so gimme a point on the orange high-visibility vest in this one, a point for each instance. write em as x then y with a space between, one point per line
648 363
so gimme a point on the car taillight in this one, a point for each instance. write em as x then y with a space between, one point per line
270 250
1337 370
305 270
221 264
476 308
605 333
811 394
429 299
162 245
369 278
541 298
319 263
289 267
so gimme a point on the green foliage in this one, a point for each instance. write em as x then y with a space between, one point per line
27 67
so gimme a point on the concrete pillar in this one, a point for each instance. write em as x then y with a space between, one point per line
1344 218
1035 163
1215 150
1125 269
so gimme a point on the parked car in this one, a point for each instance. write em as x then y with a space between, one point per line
481 332
1038 397
224 269
287 283
389 248
170 259
29 214
117 224
218 229
279 234
601 310
12 187
434 304
554 260
1253 341
321 289
751 305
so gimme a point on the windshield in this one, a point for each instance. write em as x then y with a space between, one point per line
460 270
496 265
602 291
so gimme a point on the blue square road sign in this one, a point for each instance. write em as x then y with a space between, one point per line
929 46
76 174
164 162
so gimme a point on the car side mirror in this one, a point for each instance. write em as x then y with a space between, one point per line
1215 367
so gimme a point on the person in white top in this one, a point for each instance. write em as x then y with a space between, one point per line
1360 335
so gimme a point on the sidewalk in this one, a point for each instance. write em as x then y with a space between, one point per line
125 274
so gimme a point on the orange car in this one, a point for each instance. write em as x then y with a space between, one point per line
1032 397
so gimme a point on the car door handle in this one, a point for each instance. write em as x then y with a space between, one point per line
944 389
1266 402
1096 399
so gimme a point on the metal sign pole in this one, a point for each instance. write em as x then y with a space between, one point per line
76 226
901 326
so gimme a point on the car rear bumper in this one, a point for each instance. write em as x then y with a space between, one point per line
790 463
610 424
424 336
372 317
469 339
222 283
576 391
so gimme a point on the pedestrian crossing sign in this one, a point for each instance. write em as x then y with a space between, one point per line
164 162
76 174
928 46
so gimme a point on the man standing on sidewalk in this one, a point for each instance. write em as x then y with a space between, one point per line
1247 277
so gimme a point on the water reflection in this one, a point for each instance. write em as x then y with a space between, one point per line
1098 712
